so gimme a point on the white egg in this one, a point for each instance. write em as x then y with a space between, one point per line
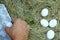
8 24
50 34
53 23
44 22
44 12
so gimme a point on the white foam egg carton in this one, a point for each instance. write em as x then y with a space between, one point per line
5 21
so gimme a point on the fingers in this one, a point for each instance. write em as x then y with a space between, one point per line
19 23
28 29
19 30
15 22
26 32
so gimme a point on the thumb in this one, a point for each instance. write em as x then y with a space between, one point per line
9 32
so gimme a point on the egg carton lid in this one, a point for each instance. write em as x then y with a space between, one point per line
4 13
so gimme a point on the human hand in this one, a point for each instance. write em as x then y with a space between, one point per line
19 30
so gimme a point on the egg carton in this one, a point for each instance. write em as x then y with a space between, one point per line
5 21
